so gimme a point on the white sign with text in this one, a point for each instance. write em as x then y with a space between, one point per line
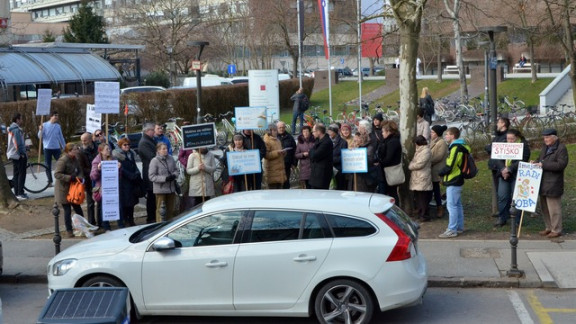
527 186
507 151
244 162
264 90
110 190
250 118
43 103
93 119
107 97
355 160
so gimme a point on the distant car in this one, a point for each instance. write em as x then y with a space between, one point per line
141 89
206 81
338 255
133 110
344 72
238 79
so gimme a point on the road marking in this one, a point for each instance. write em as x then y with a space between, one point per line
518 305
543 312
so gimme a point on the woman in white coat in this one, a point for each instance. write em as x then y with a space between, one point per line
421 178
201 166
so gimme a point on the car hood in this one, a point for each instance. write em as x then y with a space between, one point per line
105 244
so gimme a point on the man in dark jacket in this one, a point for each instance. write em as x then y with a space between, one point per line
337 145
321 159
502 126
297 109
147 151
87 153
553 160
253 141
289 144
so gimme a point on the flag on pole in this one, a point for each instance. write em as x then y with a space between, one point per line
323 9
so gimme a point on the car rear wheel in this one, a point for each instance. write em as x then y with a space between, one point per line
343 301
102 281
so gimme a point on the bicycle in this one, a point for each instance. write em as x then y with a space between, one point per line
530 125
221 134
36 176
555 119
174 133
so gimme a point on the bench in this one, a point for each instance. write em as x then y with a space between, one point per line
527 68
451 69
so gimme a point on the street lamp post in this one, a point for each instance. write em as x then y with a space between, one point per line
170 50
198 80
493 63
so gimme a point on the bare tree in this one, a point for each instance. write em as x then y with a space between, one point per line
408 15
559 13
453 8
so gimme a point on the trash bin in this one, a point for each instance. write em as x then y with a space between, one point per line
106 305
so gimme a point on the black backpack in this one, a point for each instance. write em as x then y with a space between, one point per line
468 168
304 103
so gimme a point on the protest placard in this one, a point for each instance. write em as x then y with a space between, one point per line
110 190
527 186
250 118
93 119
107 97
354 160
244 162
201 135
507 151
43 103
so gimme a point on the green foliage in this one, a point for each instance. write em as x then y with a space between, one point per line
157 78
86 27
48 36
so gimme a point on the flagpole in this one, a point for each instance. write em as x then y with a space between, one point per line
298 4
327 15
359 13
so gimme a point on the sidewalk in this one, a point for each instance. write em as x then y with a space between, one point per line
451 263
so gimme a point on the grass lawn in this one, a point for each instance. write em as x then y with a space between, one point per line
477 201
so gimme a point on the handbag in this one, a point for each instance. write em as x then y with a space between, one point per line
228 187
97 194
394 174
76 192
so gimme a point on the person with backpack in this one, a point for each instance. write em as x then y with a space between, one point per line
301 104
453 179
427 104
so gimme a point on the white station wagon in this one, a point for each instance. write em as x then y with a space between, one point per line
336 255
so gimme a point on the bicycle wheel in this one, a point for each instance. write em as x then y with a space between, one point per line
221 137
218 171
449 116
532 127
36 178
559 124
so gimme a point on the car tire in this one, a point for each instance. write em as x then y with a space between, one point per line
341 299
103 281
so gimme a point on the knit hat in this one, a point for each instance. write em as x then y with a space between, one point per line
344 125
334 128
379 117
439 129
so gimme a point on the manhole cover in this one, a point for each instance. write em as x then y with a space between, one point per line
479 253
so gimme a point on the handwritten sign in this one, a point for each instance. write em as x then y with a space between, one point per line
107 97
250 118
527 186
507 151
93 119
43 103
201 135
245 162
110 191
355 160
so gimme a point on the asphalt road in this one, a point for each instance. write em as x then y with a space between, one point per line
22 303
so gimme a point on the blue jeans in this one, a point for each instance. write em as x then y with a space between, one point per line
48 155
455 209
295 115
505 190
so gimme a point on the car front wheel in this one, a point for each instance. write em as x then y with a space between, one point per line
343 301
102 281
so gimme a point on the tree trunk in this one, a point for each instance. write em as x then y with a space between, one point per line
533 67
7 198
439 61
460 60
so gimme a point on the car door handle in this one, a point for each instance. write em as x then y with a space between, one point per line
304 258
216 264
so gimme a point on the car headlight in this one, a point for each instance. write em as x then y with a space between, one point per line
60 268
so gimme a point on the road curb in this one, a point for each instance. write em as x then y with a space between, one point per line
23 279
467 282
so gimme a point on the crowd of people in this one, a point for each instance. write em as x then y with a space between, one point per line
316 152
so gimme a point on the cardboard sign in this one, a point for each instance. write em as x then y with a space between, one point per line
527 186
107 97
245 162
250 118
507 151
110 190
355 160
43 103
201 135
93 119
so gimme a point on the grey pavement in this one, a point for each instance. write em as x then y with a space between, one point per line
451 263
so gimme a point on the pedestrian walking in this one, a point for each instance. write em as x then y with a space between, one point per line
53 141
16 152
427 105
553 160
453 180
298 108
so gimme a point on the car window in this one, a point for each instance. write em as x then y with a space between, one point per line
271 225
349 227
215 229
399 217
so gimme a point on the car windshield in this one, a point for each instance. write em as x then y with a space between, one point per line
402 220
151 230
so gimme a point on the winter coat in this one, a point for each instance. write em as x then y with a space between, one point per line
297 98
161 167
129 177
85 157
451 174
390 151
513 164
438 154
274 161
146 151
304 161
66 168
197 176
95 173
554 160
16 145
499 138
337 145
288 141
321 163
423 128
421 176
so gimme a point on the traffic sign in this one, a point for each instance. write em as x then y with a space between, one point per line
196 65
231 68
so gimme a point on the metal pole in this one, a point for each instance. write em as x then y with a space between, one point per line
57 238
513 272
198 80
298 3
486 108
359 50
493 93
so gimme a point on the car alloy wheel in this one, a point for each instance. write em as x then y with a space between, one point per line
102 281
344 301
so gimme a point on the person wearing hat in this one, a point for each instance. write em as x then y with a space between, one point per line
274 159
553 160
438 154
376 134
346 134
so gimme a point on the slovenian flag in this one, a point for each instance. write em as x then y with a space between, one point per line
323 9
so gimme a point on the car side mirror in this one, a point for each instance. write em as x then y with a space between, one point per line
164 244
